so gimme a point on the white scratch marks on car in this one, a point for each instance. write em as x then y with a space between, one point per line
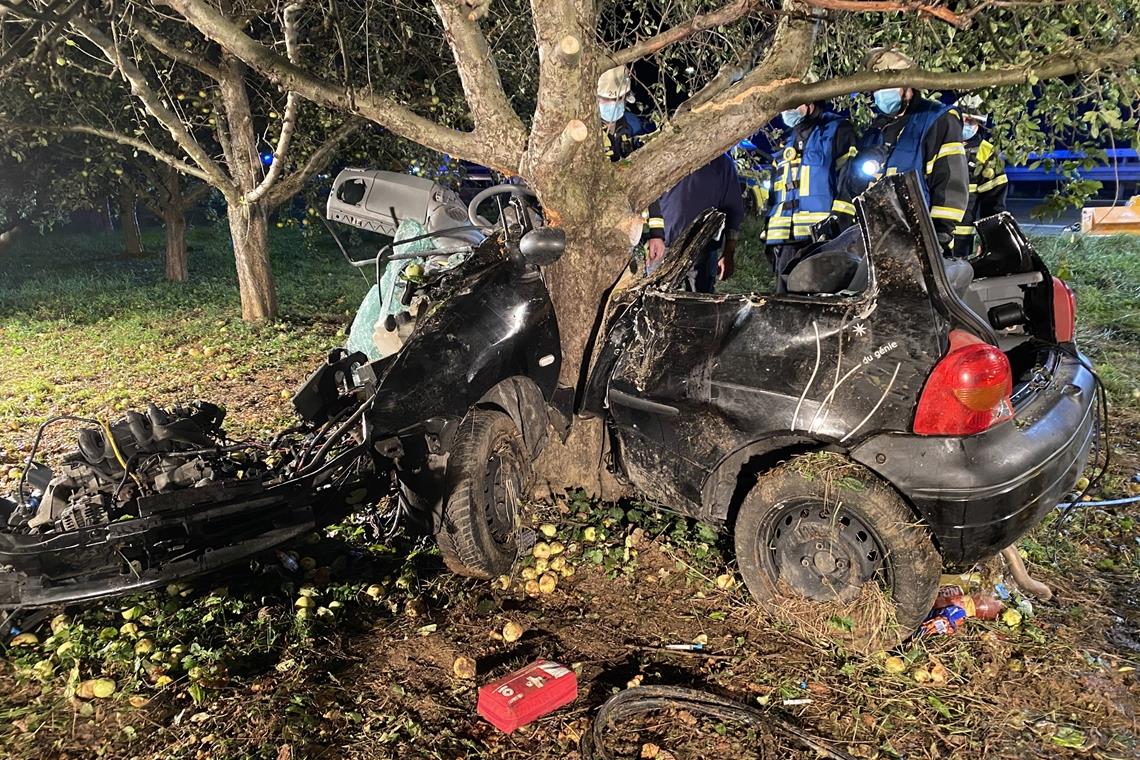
875 408
818 354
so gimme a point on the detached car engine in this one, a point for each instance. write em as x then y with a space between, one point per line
116 467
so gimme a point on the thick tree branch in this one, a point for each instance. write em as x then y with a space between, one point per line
317 161
934 10
109 134
175 53
289 121
210 171
1055 66
694 135
482 86
381 110
726 14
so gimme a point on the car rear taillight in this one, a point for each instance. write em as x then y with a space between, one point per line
968 391
1064 311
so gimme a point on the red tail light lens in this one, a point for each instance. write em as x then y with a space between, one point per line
967 392
1064 311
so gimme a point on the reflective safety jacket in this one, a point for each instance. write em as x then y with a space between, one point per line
625 139
926 137
988 187
805 190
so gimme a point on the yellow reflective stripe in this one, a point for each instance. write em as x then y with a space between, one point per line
973 188
805 180
997 181
656 223
843 207
960 230
892 170
945 212
947 149
802 232
809 217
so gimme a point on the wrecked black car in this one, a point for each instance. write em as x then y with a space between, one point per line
948 396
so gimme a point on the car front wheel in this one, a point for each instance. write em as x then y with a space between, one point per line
489 476
820 528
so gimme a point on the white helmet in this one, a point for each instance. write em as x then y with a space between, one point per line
614 84
971 105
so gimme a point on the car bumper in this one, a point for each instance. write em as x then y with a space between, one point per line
979 493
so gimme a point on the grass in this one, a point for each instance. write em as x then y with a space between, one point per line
228 667
94 330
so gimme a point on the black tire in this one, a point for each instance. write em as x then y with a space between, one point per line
489 475
822 537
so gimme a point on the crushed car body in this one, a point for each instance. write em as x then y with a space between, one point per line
951 391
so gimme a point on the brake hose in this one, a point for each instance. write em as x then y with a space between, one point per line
646 699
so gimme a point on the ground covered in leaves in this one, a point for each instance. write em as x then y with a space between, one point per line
359 644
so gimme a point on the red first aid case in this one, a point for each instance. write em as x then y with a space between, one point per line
526 694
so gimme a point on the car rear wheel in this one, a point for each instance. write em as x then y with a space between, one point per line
489 475
822 536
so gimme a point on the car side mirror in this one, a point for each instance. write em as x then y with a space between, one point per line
543 246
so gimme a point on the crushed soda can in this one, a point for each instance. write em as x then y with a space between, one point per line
943 622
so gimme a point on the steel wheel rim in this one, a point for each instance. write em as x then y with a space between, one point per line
502 484
821 551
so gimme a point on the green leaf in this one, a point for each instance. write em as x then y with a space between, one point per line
1067 736
936 703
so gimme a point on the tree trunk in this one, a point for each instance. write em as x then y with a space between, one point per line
249 229
578 196
129 222
174 221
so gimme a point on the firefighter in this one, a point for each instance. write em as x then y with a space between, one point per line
988 182
915 133
715 185
623 133
806 190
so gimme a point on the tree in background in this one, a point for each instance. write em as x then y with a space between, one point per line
192 107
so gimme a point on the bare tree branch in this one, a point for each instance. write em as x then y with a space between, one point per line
109 134
172 51
726 14
482 86
289 121
317 161
382 110
934 10
210 170
698 135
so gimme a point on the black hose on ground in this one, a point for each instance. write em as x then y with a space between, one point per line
646 699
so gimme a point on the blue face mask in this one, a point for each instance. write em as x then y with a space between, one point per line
968 131
888 101
791 117
611 111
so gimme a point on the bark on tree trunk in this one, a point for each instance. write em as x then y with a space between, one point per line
174 220
249 228
596 256
129 222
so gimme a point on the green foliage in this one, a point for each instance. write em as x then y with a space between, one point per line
1104 272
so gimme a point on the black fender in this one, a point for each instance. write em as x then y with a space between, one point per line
719 492
522 399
